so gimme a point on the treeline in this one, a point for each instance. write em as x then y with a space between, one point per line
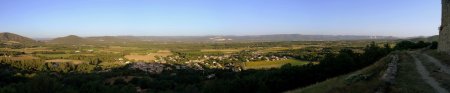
12 46
10 53
194 54
38 65
48 52
92 59
405 45
312 54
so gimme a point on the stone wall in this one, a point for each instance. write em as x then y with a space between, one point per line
444 30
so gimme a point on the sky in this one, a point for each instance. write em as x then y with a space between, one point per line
57 18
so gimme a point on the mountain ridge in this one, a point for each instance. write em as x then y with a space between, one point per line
6 37
73 39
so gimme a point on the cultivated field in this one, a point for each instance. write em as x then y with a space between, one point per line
62 55
23 57
221 50
273 64
64 61
149 56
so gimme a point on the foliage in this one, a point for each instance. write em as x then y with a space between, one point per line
405 45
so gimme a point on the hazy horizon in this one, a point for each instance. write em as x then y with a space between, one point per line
58 18
197 35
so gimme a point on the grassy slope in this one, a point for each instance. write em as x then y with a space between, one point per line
443 57
273 64
407 81
442 78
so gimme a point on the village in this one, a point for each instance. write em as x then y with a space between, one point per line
234 62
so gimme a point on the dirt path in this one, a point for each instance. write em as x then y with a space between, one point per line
438 63
426 75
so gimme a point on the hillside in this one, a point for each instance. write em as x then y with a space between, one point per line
362 81
71 39
14 38
409 76
425 39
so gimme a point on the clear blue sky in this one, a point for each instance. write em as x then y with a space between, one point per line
56 18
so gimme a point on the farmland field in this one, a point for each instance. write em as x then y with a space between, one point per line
273 64
64 61
23 57
148 57
62 55
221 50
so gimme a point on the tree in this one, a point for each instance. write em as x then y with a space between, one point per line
403 45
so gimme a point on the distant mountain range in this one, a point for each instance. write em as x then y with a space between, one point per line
256 38
73 39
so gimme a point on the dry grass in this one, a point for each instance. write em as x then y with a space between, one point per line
140 57
118 49
31 50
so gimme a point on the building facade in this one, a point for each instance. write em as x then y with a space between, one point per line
444 29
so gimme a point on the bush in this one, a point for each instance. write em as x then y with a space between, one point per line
434 45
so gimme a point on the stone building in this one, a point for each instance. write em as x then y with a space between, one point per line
444 30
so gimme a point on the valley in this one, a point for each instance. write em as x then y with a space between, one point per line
176 66
224 46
